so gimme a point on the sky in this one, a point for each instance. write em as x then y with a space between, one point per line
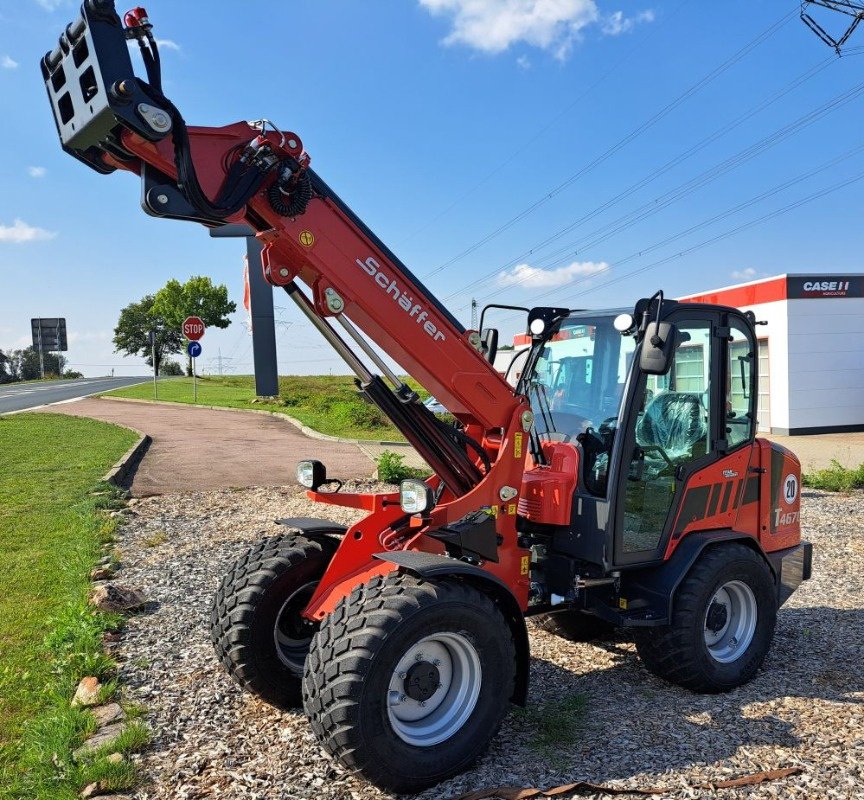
579 153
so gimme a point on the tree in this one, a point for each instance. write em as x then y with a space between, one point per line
132 334
24 364
197 297
169 367
6 375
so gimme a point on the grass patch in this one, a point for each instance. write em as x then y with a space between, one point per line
835 478
555 724
328 403
50 537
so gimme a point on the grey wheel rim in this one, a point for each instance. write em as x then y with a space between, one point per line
434 689
730 622
292 634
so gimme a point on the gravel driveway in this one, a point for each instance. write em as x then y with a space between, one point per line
210 741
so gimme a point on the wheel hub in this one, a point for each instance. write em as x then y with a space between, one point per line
717 617
422 681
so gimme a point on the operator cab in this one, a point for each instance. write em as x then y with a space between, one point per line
622 424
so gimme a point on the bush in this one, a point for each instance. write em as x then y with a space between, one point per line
71 374
392 469
835 478
170 368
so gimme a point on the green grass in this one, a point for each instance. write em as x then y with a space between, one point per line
392 469
327 403
555 724
835 478
50 537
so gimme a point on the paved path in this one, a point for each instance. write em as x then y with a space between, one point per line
24 396
198 449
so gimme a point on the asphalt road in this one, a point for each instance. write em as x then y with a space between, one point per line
24 396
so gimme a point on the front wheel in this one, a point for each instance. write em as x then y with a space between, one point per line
255 620
722 623
407 680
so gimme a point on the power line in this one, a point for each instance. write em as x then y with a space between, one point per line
712 240
653 205
651 32
636 132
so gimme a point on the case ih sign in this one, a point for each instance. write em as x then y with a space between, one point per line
193 328
814 286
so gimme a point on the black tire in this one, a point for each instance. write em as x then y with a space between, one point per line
247 605
575 625
678 653
347 687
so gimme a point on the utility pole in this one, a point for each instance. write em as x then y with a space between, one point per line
219 361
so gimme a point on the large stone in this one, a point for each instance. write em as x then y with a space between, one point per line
108 713
102 738
101 574
116 758
116 599
87 693
89 790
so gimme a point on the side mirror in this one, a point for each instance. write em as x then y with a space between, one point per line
489 338
658 348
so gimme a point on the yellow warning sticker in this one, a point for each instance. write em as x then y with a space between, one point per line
622 603
517 445
525 566
307 239
511 509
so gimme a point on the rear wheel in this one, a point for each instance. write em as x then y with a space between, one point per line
722 625
575 625
408 680
255 622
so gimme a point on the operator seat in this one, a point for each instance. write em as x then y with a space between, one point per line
674 421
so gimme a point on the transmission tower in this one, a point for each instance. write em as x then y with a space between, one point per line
847 7
473 314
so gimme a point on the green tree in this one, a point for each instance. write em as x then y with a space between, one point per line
132 334
199 297
24 364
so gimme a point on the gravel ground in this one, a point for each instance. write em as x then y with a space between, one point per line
211 741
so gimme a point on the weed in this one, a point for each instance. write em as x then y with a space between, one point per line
391 468
835 478
155 539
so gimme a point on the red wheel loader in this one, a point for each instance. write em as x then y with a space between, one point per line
618 483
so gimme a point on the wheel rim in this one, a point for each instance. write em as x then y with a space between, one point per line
433 689
292 632
730 621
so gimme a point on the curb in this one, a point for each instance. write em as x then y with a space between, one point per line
117 475
310 432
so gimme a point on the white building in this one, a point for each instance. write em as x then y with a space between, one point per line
811 349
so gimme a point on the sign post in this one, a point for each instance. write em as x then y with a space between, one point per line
193 330
50 333
152 337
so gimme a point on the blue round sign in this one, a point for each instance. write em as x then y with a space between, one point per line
194 349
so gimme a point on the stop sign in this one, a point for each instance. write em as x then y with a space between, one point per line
193 328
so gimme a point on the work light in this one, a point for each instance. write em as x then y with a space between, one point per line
415 497
311 474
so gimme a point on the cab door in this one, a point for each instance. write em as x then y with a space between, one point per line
673 428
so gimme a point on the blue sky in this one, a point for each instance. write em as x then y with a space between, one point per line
440 122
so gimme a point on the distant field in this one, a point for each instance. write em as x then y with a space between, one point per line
328 403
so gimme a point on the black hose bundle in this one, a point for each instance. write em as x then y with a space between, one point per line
293 202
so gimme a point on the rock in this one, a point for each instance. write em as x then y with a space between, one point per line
113 598
101 573
115 758
102 738
108 713
87 693
89 790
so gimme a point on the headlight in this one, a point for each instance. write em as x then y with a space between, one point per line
311 474
415 497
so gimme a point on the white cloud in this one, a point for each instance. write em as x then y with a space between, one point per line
36 172
523 62
8 63
492 26
168 44
746 274
617 23
19 232
51 5
535 277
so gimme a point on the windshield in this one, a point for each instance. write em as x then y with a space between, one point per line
579 378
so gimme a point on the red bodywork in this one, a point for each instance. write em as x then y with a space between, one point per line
324 249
